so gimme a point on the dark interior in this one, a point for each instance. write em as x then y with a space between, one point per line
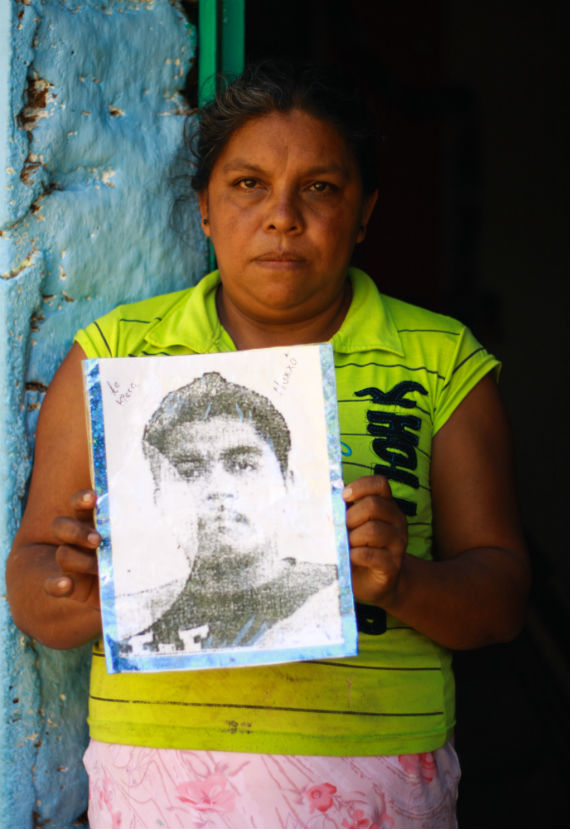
471 101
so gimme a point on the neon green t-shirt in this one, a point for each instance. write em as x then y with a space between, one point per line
401 372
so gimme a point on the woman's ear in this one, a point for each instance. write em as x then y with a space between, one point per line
368 203
204 211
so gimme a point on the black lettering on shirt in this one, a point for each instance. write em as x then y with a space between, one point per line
395 437
394 397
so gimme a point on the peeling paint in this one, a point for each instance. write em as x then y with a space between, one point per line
35 321
18 269
39 94
29 738
28 169
33 385
36 209
106 177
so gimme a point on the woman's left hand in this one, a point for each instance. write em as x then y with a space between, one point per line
474 591
378 537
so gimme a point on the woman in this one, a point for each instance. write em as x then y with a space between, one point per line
286 186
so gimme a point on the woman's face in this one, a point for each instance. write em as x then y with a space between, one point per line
284 209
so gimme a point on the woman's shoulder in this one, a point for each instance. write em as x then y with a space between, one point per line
406 342
123 331
369 299
408 316
116 333
146 310
388 323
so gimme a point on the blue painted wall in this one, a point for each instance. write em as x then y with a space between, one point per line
91 122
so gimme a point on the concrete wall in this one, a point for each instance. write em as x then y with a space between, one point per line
90 130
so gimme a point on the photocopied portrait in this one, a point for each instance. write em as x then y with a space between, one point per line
220 509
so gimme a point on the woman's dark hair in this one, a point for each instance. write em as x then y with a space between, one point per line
277 87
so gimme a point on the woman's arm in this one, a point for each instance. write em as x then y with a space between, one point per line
52 568
475 592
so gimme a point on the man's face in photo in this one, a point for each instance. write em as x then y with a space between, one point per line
227 482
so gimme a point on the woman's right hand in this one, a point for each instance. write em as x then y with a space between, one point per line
51 574
76 552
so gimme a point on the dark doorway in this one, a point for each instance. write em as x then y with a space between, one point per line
471 99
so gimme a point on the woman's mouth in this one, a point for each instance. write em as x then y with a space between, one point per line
280 260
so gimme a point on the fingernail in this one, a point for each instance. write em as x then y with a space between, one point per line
93 538
347 492
63 583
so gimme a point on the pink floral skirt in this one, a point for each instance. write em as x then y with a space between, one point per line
136 787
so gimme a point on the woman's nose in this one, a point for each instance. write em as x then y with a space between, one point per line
284 213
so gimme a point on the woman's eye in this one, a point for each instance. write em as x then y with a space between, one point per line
321 187
246 183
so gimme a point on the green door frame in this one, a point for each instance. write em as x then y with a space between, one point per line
221 50
221 43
